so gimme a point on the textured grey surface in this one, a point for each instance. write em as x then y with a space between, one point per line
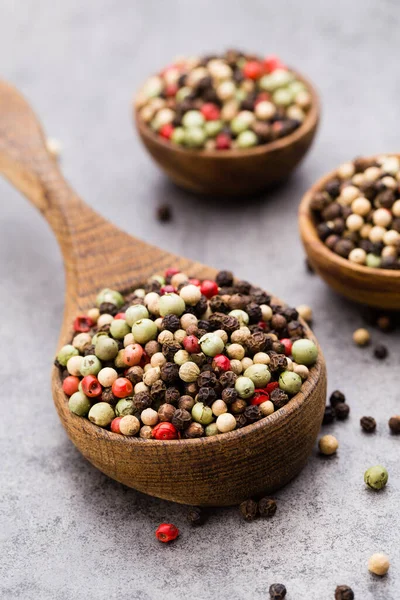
66 531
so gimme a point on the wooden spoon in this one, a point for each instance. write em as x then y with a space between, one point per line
219 470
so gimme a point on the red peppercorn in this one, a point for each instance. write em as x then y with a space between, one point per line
170 90
83 324
165 431
166 131
70 385
270 387
210 111
253 69
221 363
115 425
209 288
262 324
144 360
166 532
167 289
223 142
122 387
133 354
260 396
171 271
288 345
91 386
273 62
191 344
262 97
195 281
120 316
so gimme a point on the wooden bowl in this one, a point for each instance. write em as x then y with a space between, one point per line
233 172
220 470
379 288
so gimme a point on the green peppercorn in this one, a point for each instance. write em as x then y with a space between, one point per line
193 118
259 374
79 404
290 382
240 315
202 414
376 477
296 86
105 348
276 79
304 352
97 336
144 331
195 137
171 304
282 97
211 344
247 139
244 387
178 136
213 128
101 414
111 296
182 93
90 365
136 313
373 261
242 121
211 429
124 407
119 328
66 353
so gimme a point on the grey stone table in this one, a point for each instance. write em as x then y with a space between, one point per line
67 532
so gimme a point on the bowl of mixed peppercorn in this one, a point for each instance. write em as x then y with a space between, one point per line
350 227
230 124
203 392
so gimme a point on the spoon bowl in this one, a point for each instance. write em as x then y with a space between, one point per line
379 288
233 172
219 470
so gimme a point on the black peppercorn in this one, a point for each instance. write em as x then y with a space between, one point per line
186 402
238 406
142 400
169 349
207 395
227 379
278 362
394 424
248 508
342 411
192 388
277 591
336 398
278 322
172 395
329 415
385 323
207 379
238 302
332 211
323 230
295 329
256 343
241 421
108 308
267 507
169 372
217 304
279 398
108 396
166 412
252 413
243 287
194 430
157 391
254 312
181 419
224 279
319 201
201 307
164 213
170 323
290 314
135 374
333 187
368 424
380 351
344 247
344 592
229 395
88 350
229 324
196 516
152 347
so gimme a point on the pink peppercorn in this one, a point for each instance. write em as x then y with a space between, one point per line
166 532
167 289
260 396
165 431
273 62
166 131
120 315
221 363
133 354
270 387
288 345
209 288
195 281
171 271
70 385
115 425
253 69
210 111
83 324
191 344
223 142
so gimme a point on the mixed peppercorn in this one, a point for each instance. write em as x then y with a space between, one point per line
184 358
358 212
235 100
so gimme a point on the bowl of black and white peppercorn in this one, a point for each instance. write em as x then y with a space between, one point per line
230 124
350 228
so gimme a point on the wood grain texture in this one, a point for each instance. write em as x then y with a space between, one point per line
220 470
233 172
379 288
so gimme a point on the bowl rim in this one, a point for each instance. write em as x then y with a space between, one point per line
295 403
309 123
309 234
